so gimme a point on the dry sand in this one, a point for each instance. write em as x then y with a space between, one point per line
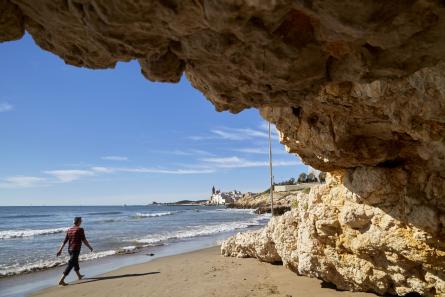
200 273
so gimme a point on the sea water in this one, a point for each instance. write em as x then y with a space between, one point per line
30 236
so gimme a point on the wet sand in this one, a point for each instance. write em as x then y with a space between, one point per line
200 273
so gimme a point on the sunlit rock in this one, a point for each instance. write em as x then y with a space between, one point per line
354 87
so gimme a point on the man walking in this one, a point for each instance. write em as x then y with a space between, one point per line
74 236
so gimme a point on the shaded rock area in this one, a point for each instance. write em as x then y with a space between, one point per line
277 210
253 200
354 87
283 201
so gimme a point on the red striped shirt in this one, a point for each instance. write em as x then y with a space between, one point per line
74 236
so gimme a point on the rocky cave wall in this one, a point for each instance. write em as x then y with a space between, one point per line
378 240
354 87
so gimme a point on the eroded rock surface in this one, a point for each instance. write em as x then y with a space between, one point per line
348 84
337 235
355 87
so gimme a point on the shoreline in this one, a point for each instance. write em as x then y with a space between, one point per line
204 272
135 244
24 284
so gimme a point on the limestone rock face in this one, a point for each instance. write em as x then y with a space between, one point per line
252 200
334 234
354 87
349 84
11 21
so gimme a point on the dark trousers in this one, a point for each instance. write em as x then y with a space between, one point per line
73 262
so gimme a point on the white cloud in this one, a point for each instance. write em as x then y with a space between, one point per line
4 107
236 162
70 175
115 158
188 152
152 170
311 169
265 127
253 150
21 182
169 171
201 152
237 134
260 151
65 176
200 137
102 169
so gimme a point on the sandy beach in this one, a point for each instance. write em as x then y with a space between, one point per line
200 273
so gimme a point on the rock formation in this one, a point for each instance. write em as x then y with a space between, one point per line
252 200
342 237
355 87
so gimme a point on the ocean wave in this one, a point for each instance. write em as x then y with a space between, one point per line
202 230
47 264
104 213
137 245
10 234
232 210
15 269
31 267
129 249
96 255
154 214
25 216
109 221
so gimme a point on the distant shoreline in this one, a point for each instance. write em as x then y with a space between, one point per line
185 204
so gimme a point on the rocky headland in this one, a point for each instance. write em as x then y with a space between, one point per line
283 201
355 88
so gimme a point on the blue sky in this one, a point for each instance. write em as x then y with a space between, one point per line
73 136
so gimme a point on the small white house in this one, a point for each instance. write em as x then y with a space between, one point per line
287 188
217 199
221 198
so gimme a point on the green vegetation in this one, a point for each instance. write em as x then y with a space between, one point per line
303 178
294 204
306 190
266 191
322 177
307 178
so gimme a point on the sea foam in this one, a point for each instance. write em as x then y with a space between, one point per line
154 214
46 264
200 230
9 234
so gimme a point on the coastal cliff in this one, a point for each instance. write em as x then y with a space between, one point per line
357 242
355 88
283 201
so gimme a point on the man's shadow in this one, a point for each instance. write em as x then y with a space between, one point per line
100 278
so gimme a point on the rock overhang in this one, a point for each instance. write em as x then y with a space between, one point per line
348 84
356 88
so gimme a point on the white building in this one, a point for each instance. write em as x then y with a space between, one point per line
221 198
286 188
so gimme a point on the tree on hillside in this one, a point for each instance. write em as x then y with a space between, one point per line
302 178
290 181
311 178
322 177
